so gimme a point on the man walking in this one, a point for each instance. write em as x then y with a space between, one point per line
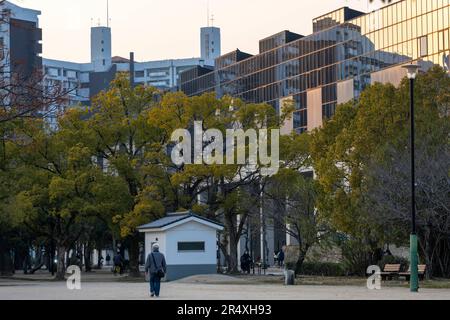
281 258
118 263
155 266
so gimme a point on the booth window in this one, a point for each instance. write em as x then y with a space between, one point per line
191 246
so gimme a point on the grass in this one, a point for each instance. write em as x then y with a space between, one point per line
344 281
436 284
255 280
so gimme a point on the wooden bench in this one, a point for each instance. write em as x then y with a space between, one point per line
422 271
390 271
262 267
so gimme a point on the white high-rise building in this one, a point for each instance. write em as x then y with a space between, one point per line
210 43
101 52
84 80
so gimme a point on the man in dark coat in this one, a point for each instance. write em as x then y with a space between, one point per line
281 258
246 262
118 263
154 267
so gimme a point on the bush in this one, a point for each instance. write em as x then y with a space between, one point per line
312 268
290 265
394 260
291 256
357 255
325 269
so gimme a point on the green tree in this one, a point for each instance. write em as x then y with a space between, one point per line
61 186
362 133
118 133
6 220
388 196
294 197
230 193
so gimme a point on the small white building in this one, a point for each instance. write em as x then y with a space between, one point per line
188 241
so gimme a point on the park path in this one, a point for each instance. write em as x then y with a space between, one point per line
19 290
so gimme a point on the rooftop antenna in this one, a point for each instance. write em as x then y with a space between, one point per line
107 13
207 13
212 20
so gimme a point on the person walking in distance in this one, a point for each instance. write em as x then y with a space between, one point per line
281 257
155 268
246 261
118 264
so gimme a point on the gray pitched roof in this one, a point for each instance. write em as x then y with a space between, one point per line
172 218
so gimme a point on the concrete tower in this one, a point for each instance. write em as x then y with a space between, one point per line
101 48
210 44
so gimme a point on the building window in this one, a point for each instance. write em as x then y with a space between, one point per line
157 73
2 48
139 74
191 246
423 46
328 111
104 62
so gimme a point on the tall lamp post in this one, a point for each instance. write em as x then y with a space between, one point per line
412 71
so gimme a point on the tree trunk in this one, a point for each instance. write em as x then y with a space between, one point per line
428 252
99 258
233 261
300 260
6 263
223 247
26 263
61 263
49 258
133 252
87 258
114 243
233 239
38 262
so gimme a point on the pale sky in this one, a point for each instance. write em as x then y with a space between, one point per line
165 29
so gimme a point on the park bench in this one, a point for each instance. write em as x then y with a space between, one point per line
261 267
422 270
390 271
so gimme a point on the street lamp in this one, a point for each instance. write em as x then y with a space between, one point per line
412 70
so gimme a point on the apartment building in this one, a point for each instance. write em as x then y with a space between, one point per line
347 51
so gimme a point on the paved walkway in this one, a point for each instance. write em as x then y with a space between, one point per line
20 290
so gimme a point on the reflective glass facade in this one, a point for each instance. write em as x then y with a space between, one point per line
347 45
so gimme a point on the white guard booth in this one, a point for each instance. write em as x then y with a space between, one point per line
188 241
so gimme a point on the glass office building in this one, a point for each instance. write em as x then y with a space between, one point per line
347 51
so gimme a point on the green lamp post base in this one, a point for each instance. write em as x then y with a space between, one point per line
414 281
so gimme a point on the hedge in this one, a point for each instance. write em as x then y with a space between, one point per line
325 269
